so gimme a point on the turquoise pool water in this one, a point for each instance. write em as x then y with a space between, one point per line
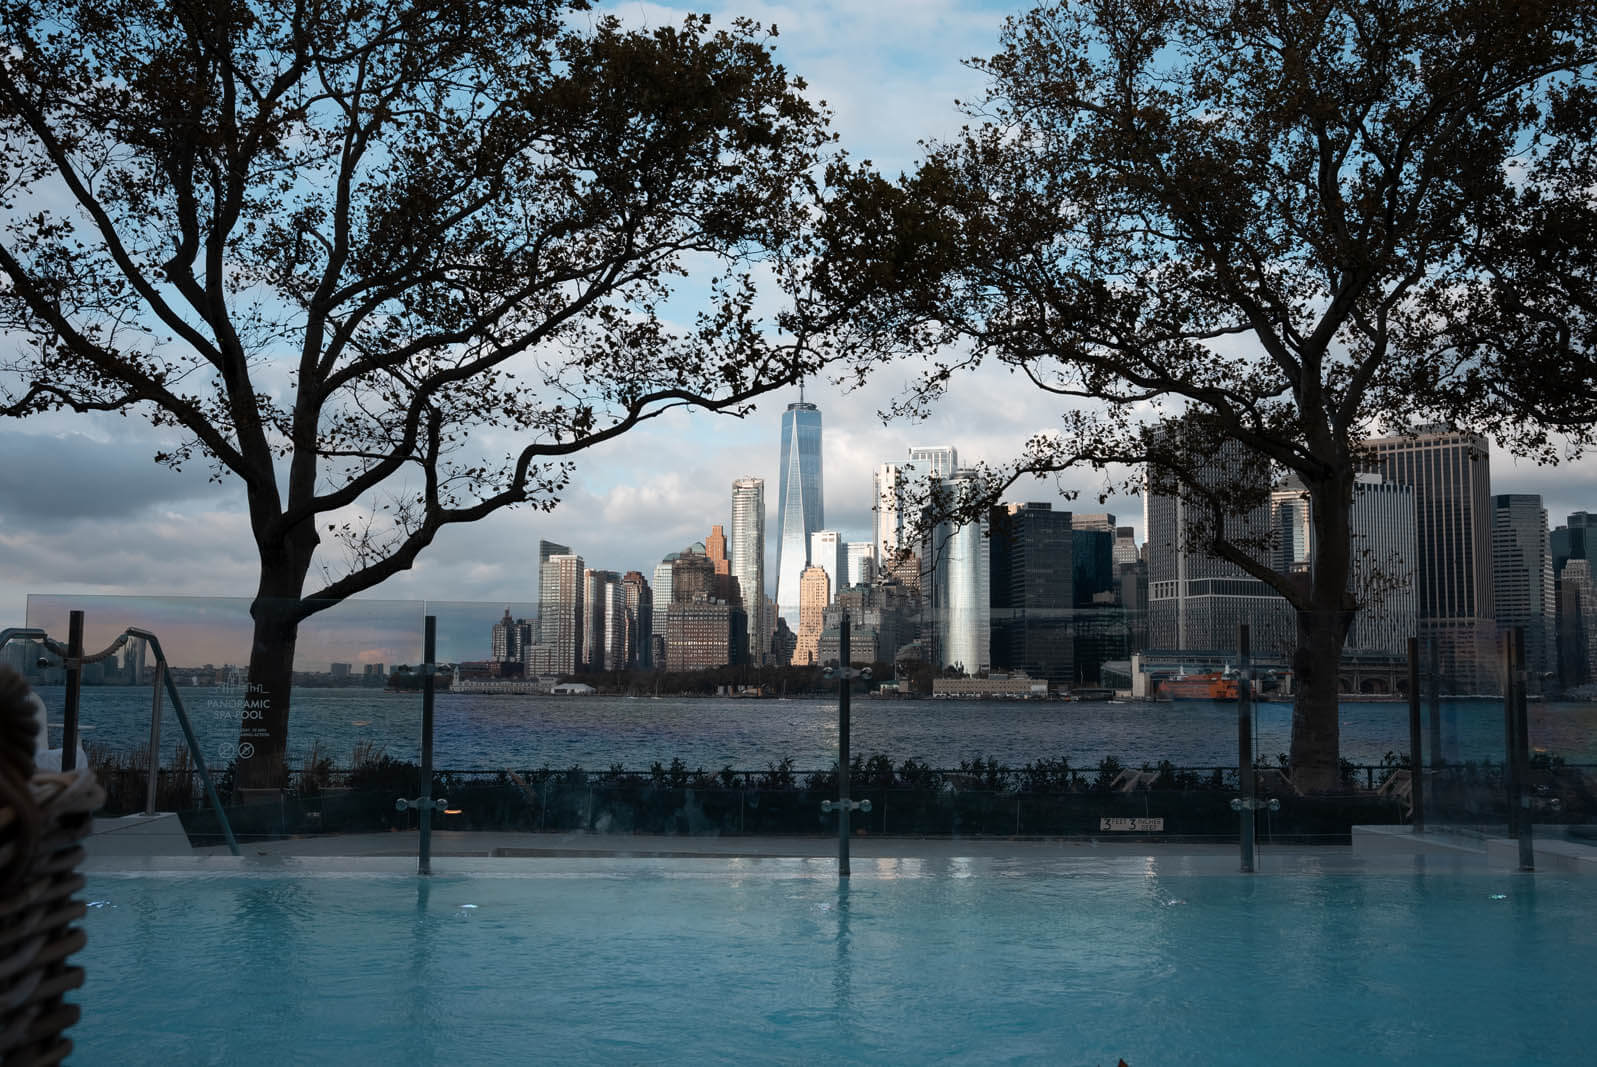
721 961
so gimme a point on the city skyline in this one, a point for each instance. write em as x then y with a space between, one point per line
85 510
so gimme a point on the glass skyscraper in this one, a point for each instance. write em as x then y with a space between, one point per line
960 584
829 552
799 511
936 461
747 553
1031 554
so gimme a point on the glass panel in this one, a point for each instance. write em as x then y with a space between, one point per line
346 724
1465 743
745 750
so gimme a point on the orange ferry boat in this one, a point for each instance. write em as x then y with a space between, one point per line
1216 685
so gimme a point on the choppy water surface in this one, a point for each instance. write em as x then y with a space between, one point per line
489 732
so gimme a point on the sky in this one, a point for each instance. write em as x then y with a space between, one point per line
84 509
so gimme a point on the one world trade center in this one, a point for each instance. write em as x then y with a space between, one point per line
799 502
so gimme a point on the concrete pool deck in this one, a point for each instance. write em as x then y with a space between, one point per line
157 842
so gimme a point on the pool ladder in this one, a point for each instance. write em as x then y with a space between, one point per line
74 659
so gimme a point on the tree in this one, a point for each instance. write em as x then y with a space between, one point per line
1520 308
324 241
1257 217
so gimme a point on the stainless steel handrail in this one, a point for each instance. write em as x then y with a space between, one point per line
162 675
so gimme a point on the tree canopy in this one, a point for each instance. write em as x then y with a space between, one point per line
326 242
1271 219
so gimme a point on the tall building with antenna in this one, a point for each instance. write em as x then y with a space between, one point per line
799 512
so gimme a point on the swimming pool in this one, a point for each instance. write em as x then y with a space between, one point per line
768 960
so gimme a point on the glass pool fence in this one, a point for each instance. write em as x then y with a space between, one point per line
530 752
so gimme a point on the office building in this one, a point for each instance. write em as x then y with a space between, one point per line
1577 624
1092 569
561 614
702 626
747 552
692 575
606 620
703 633
829 552
511 641
715 550
546 549
1196 600
1385 566
799 509
724 586
960 576
815 592
1100 522
1382 558
889 517
661 587
640 620
1100 629
861 562
938 462
1450 474
1568 543
1125 550
1031 594
1522 580
784 644
1570 540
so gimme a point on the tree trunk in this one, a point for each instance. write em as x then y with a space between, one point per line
263 733
1322 631
1316 711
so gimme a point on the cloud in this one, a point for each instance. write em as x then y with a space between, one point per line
47 478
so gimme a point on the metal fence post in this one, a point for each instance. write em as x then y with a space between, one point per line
1438 757
424 856
1416 763
1521 753
1510 742
843 806
1245 749
69 715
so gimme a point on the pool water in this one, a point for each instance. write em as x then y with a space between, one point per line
721 961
